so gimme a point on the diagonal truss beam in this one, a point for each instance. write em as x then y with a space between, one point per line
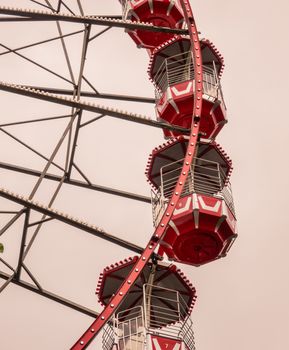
92 20
77 183
112 112
82 225
69 92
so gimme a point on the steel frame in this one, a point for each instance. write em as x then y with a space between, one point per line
70 134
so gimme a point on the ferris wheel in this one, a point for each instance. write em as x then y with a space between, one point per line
193 211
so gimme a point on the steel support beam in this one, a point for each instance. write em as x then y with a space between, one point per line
112 112
75 222
77 183
68 92
22 245
92 20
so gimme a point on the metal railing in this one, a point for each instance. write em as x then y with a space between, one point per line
129 325
108 337
204 177
180 68
125 9
164 313
167 314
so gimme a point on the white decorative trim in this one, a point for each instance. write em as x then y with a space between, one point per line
182 92
174 227
214 209
171 100
185 208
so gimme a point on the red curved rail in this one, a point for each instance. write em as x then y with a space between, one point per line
160 230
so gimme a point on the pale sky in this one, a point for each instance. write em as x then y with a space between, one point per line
242 299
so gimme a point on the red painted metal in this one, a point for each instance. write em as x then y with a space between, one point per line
160 230
175 89
161 343
202 229
165 13
165 275
174 150
203 226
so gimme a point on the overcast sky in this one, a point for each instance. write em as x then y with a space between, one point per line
242 299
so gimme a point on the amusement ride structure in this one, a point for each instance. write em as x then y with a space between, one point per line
147 301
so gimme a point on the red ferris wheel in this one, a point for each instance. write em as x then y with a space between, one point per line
147 300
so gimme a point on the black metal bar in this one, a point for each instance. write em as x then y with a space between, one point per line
40 222
22 245
77 183
93 20
37 64
94 95
81 173
51 296
39 3
11 222
17 19
41 42
74 144
7 264
28 203
132 117
29 147
8 212
100 33
66 8
34 120
31 276
91 121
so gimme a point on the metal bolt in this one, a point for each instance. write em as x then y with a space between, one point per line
129 281
143 258
176 193
120 293
111 305
82 342
151 247
102 317
92 330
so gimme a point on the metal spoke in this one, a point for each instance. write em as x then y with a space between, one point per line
41 42
28 203
34 120
100 33
92 120
112 112
37 64
11 222
92 20
30 148
94 187
22 245
94 94
31 276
